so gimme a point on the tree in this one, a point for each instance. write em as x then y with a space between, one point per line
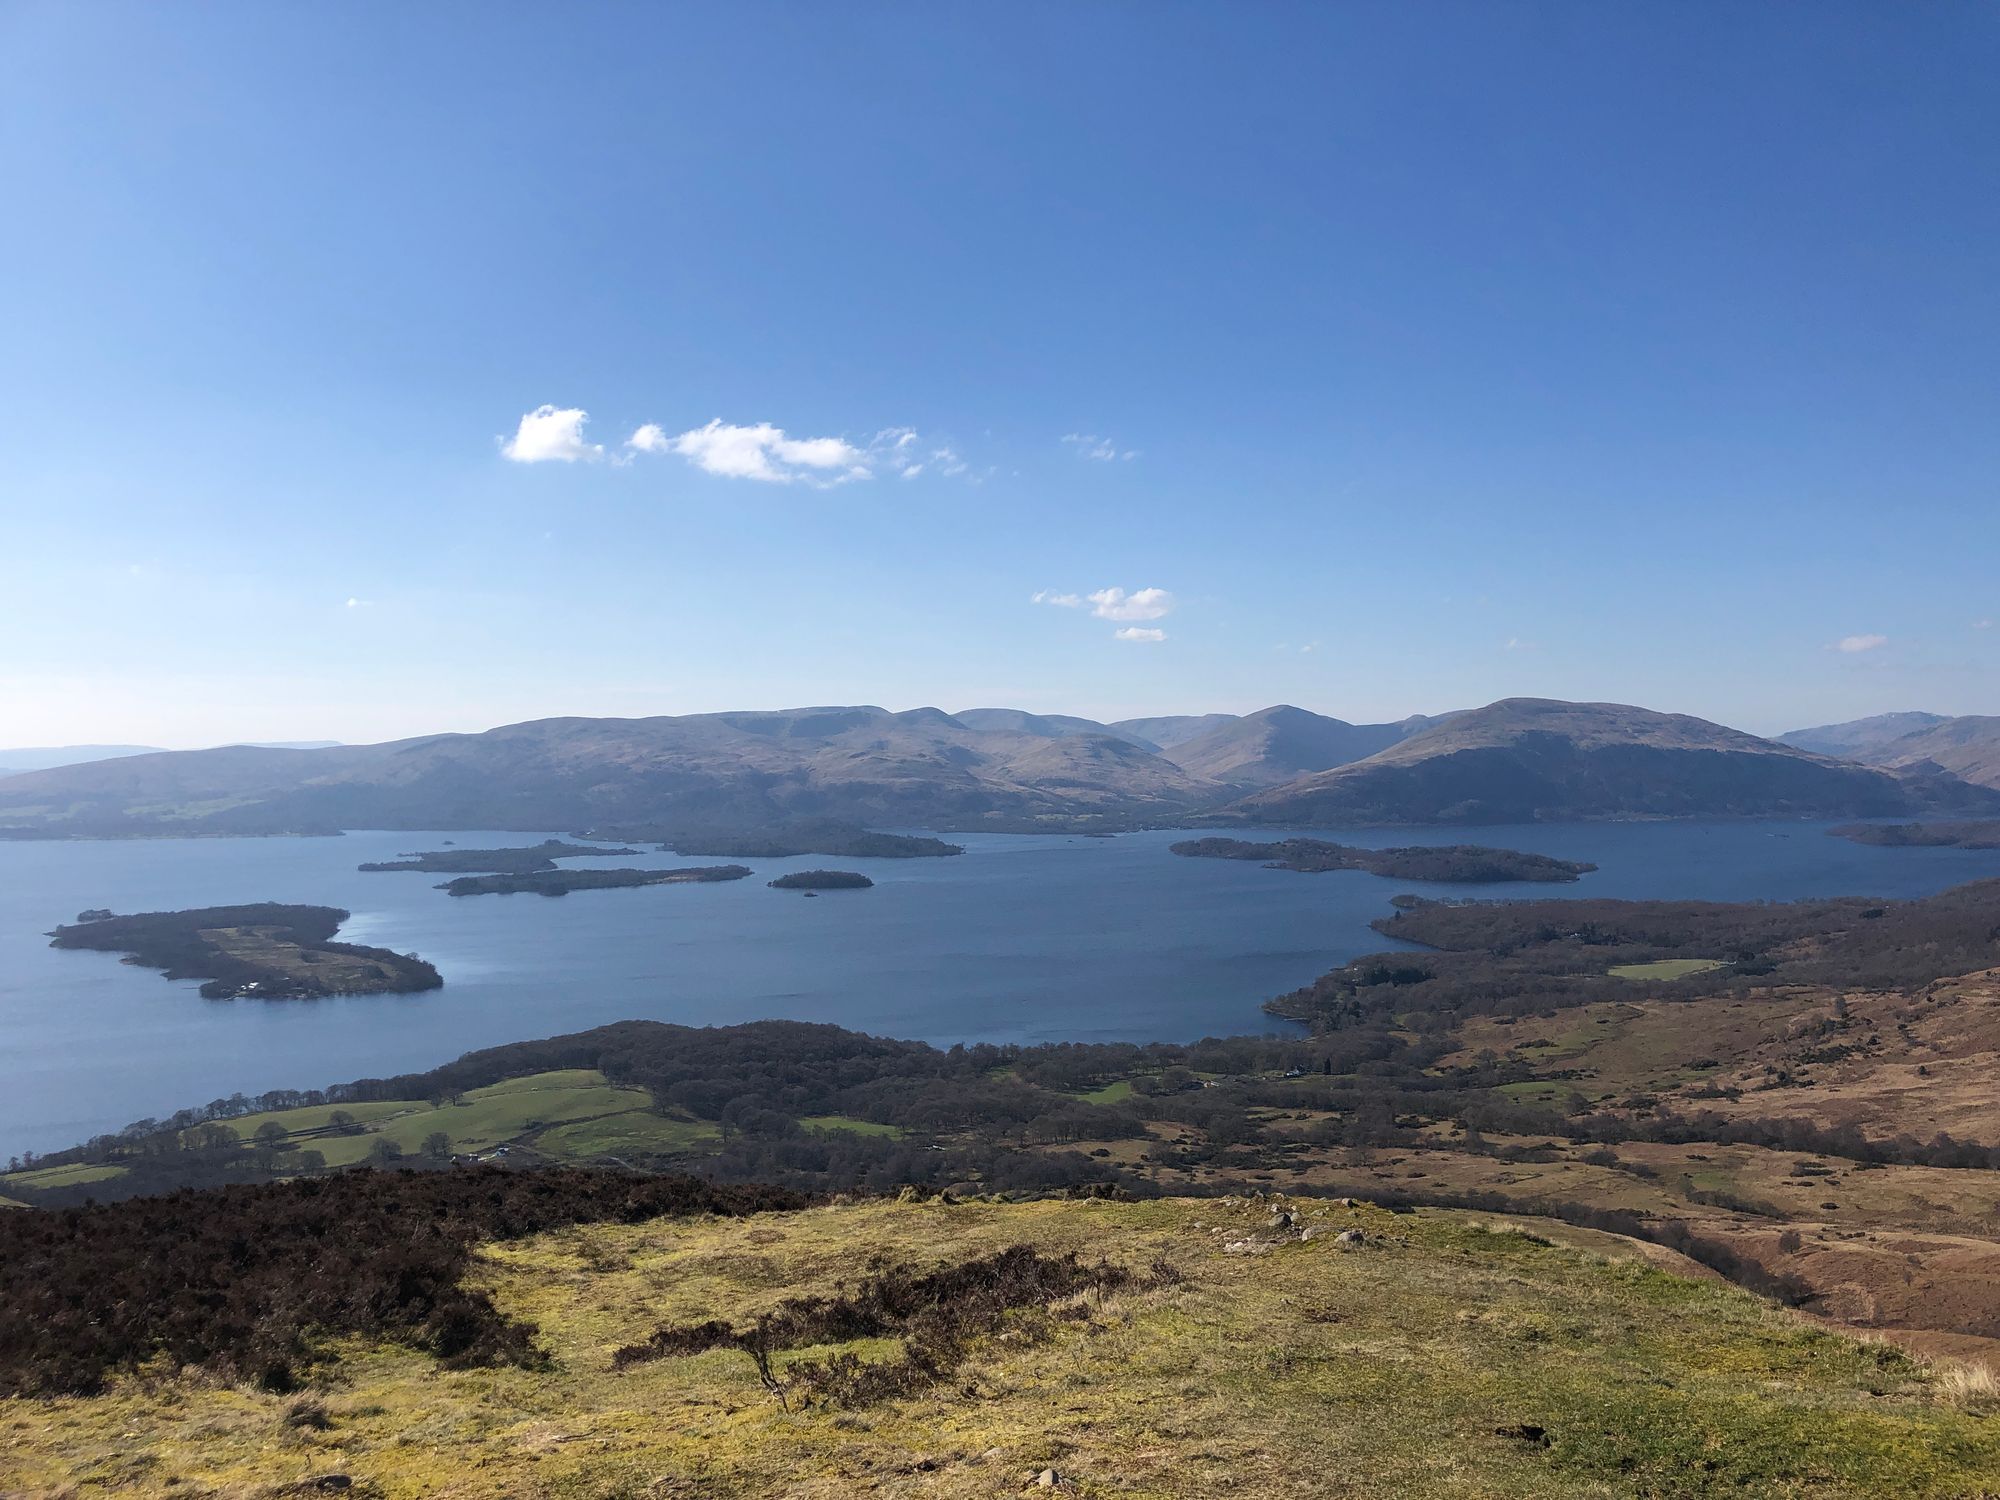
344 1123
385 1151
271 1136
437 1146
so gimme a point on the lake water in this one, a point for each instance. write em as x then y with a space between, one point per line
1021 939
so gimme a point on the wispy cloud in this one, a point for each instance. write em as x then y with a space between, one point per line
1117 604
1982 624
550 434
1099 449
1854 645
769 454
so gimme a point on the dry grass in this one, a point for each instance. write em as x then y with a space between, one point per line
1442 1357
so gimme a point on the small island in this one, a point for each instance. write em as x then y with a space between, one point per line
542 856
1456 864
265 951
821 880
562 882
1976 834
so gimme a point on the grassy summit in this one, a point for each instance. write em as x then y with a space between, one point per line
1442 1355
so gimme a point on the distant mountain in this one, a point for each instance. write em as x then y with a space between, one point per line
1967 747
1172 729
1522 760
42 757
1534 759
1280 744
742 770
1044 726
48 757
1857 739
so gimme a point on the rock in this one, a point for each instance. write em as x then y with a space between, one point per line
1312 1231
1350 1237
1247 1247
1048 1479
1280 1220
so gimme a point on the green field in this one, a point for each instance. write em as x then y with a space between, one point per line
1112 1093
568 1112
69 1176
849 1123
635 1133
1667 968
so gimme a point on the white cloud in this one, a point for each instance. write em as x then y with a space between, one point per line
1854 645
550 434
1145 604
1139 633
768 453
1101 449
359 603
1063 601
762 452
1982 624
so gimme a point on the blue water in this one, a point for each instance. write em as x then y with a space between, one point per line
1031 939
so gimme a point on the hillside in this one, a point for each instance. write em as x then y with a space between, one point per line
1858 739
1044 726
1169 730
1967 747
1189 1348
1281 744
731 770
1534 759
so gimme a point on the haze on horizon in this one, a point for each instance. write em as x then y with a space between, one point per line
379 371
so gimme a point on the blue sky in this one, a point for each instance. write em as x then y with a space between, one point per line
1416 355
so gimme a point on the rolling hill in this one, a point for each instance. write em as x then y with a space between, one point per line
1858 739
1280 744
1537 759
705 770
1516 760
1968 748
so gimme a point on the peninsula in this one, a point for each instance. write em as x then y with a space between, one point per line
1458 864
542 856
1966 834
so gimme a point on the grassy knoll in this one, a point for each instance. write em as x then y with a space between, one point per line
1446 1355
1667 968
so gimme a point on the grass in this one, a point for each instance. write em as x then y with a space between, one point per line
72 1175
634 1133
515 1110
1116 1092
1444 1357
1667 968
849 1123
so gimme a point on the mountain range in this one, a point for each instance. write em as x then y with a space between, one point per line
1518 760
1967 747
